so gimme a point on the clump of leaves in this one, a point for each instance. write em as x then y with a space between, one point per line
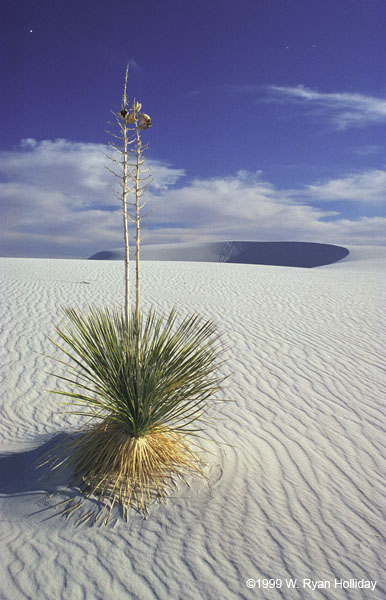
141 406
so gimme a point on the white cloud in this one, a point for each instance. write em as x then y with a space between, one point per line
55 200
368 187
241 208
344 109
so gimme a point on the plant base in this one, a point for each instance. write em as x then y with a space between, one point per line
134 472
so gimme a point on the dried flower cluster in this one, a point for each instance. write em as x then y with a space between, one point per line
135 116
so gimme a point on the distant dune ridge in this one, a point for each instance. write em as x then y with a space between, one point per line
284 254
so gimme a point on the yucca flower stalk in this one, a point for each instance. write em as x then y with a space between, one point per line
134 180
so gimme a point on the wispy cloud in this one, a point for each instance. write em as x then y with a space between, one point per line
134 65
343 109
367 187
368 150
55 200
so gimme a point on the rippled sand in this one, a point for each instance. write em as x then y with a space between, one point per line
297 470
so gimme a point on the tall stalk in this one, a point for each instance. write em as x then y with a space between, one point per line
125 192
137 191
131 181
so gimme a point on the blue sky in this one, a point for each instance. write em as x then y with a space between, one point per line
269 120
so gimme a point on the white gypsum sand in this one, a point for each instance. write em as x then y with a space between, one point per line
297 476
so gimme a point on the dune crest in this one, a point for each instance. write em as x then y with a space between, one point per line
283 254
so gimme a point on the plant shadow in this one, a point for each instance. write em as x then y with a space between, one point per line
23 473
30 489
44 493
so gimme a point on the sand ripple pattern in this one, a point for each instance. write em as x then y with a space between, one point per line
297 470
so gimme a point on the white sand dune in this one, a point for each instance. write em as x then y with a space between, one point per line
297 474
285 254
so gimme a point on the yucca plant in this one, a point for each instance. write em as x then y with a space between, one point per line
134 446
143 382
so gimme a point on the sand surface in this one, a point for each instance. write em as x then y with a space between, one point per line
297 470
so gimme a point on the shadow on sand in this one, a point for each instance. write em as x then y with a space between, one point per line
38 493
20 472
